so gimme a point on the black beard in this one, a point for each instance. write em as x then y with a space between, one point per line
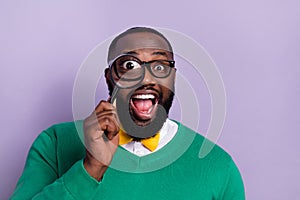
168 103
148 130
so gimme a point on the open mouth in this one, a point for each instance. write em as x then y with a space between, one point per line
144 106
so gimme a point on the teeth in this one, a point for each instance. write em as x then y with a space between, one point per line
144 96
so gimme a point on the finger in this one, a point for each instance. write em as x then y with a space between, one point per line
106 112
106 123
94 118
111 113
115 140
104 105
109 99
109 125
108 118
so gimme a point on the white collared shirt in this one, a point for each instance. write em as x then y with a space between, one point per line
167 132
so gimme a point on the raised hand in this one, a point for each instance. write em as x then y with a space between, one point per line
101 138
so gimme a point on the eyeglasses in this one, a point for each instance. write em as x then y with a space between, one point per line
128 71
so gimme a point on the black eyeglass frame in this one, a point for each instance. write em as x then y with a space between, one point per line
112 65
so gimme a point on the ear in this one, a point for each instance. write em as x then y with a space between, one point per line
110 85
174 73
107 74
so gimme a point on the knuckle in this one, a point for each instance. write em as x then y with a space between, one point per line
102 102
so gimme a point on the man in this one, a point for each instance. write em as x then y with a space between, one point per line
128 137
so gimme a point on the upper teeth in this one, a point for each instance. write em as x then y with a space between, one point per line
144 96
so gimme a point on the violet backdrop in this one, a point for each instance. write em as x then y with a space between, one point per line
255 45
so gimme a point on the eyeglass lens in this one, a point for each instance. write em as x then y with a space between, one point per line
129 70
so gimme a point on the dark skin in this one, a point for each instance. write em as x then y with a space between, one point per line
102 126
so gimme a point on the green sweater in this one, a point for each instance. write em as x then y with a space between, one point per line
54 170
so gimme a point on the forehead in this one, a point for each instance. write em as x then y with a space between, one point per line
143 40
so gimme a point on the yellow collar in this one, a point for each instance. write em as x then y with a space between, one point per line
150 143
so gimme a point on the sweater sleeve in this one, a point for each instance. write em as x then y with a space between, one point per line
234 188
40 179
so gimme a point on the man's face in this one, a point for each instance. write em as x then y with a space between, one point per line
144 99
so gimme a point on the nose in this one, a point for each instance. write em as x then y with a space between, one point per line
148 78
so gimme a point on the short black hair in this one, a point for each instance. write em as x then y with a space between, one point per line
135 30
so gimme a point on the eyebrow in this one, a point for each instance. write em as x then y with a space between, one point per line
154 53
160 53
131 52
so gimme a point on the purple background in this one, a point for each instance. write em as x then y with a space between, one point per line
255 45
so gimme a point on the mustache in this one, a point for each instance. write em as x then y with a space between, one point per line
149 88
146 87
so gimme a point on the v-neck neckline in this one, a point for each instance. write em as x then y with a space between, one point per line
126 161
